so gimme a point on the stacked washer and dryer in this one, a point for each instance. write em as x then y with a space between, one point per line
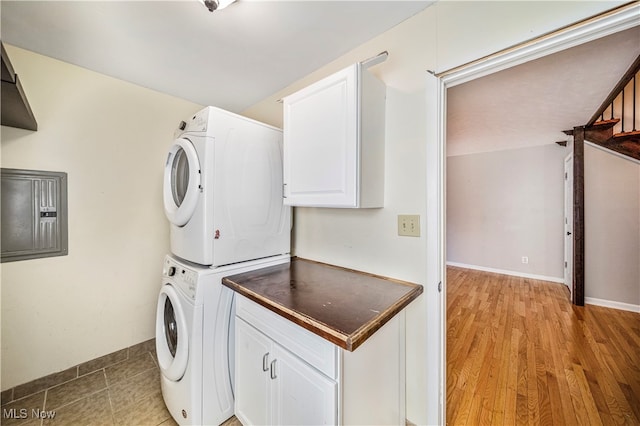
223 199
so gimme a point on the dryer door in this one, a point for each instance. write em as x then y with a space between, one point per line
181 182
172 338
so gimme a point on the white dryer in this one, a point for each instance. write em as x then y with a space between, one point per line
223 191
194 339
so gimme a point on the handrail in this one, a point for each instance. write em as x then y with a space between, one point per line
619 88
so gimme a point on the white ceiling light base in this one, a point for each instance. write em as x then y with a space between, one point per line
213 5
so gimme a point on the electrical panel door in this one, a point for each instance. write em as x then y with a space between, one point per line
34 214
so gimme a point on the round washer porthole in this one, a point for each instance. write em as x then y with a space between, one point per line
172 338
181 182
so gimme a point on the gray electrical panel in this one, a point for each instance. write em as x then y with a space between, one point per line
34 214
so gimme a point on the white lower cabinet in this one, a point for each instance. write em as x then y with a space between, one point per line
286 375
275 387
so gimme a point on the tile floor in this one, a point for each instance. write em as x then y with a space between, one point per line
122 388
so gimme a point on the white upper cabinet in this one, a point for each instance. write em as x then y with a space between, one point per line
334 142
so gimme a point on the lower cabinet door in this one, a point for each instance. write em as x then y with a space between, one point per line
253 384
302 395
275 387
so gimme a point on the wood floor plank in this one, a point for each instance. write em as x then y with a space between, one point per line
501 382
555 369
630 395
553 413
591 409
522 403
543 411
518 352
576 396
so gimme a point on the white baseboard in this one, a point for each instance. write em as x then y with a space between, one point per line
505 272
612 304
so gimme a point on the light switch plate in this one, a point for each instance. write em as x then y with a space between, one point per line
409 225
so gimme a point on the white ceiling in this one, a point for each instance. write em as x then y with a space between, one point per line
230 58
531 104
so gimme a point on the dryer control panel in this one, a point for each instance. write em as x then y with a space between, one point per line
196 123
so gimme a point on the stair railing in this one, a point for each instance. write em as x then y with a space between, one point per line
615 105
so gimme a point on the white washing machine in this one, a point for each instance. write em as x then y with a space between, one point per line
223 192
194 339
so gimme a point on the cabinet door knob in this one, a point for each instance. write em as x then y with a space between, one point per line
273 370
265 361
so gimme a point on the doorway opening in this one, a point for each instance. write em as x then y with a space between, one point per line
613 22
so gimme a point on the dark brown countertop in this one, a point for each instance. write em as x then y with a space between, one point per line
341 305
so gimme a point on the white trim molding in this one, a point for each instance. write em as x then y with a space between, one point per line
507 272
612 304
608 23
436 285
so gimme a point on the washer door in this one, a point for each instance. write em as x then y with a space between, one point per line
172 338
181 182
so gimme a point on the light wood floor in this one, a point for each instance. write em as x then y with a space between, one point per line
518 352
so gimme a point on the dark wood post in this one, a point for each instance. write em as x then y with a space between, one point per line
578 216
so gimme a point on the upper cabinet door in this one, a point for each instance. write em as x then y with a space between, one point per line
334 142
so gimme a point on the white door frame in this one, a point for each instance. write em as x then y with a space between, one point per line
568 224
436 88
435 288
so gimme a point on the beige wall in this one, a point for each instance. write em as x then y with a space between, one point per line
111 138
504 205
448 34
612 227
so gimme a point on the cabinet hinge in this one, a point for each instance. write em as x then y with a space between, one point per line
284 190
440 287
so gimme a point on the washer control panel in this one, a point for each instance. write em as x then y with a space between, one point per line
184 278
